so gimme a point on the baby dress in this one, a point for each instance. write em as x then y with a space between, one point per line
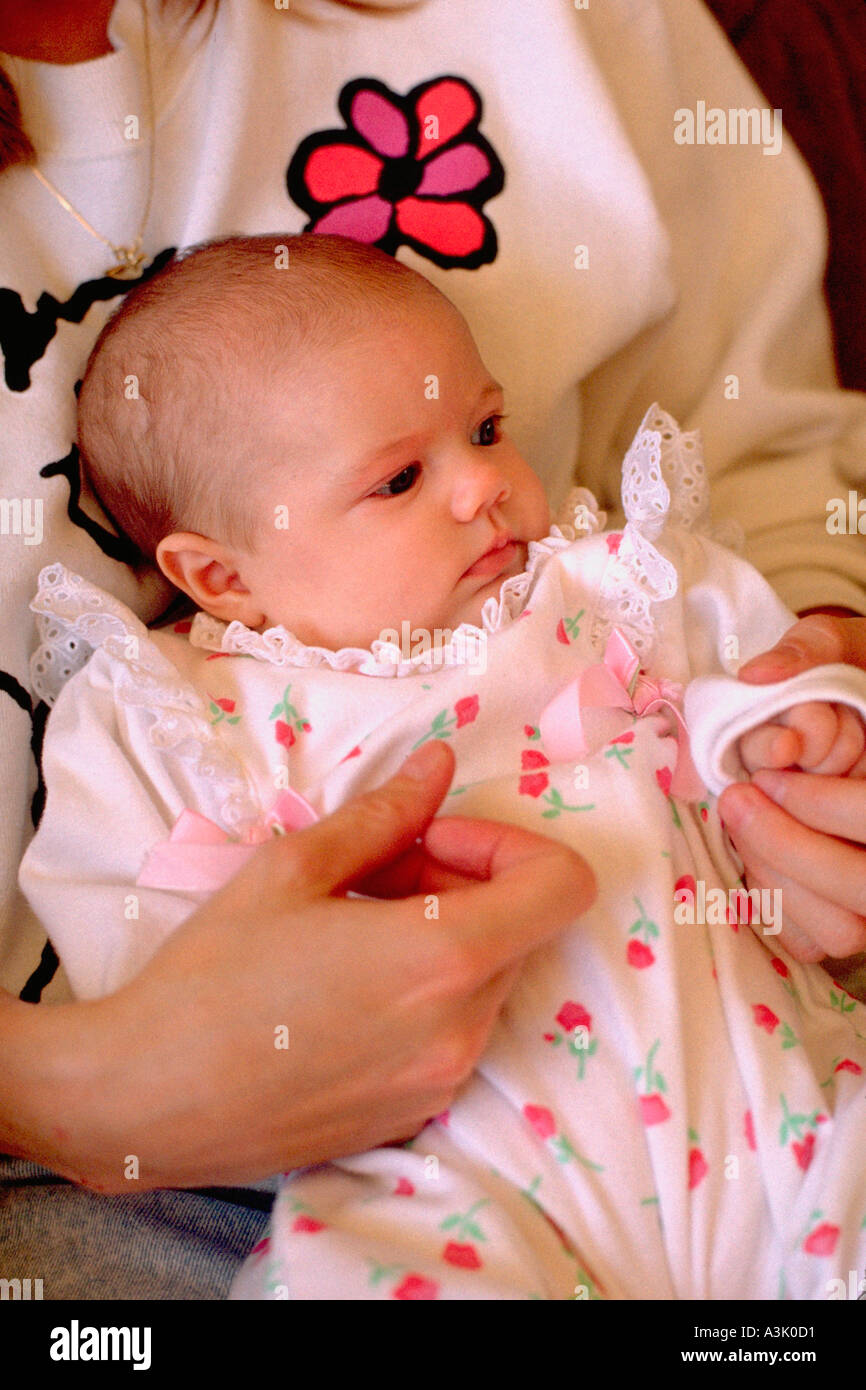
670 1106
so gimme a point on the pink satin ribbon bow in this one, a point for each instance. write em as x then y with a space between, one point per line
199 857
617 682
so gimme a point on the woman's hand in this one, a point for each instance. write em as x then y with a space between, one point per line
805 832
384 1006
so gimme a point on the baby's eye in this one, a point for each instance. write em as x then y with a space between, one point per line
489 431
401 482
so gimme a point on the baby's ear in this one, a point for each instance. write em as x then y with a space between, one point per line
208 572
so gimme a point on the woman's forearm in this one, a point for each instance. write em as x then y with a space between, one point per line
51 1068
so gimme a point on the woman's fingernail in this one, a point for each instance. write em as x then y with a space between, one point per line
422 763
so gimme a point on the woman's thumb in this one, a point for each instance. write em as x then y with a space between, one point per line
816 640
372 829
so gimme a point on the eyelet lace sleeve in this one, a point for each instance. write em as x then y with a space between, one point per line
74 618
663 482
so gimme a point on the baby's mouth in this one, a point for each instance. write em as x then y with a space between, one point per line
500 557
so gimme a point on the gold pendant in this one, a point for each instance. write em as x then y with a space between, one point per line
130 259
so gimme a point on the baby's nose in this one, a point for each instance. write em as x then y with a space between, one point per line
479 485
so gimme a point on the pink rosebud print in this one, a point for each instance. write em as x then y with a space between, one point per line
685 888
259 1251
307 728
639 955
613 542
780 967
749 1127
308 1224
466 710
541 1119
353 753
803 1152
663 777
549 1037
765 1018
653 1110
698 1168
227 705
533 784
822 1241
530 757
624 738
573 1016
561 634
416 1287
529 730
284 733
464 1256
404 1188
847 1065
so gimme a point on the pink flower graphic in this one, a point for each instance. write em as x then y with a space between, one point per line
533 784
749 1129
541 1119
698 1168
309 1224
464 1256
639 955
765 1018
653 1110
284 732
822 1240
573 1016
466 710
415 1287
803 1152
404 171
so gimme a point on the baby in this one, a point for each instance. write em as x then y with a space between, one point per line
301 433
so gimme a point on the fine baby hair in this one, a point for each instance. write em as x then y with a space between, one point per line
211 327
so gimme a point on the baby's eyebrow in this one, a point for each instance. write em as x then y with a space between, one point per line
411 443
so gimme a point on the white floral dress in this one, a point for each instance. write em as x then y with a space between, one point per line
670 1107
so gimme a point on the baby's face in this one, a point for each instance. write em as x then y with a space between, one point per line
404 497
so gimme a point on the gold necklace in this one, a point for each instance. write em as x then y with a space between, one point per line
129 259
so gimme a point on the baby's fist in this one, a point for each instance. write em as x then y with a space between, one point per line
815 737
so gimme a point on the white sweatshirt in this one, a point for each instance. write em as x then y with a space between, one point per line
622 266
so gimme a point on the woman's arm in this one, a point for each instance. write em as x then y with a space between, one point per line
385 1007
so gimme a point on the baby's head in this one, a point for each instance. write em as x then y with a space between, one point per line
300 431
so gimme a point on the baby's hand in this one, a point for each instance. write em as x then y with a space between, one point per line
815 737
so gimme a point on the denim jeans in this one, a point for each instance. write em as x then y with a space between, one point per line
152 1245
